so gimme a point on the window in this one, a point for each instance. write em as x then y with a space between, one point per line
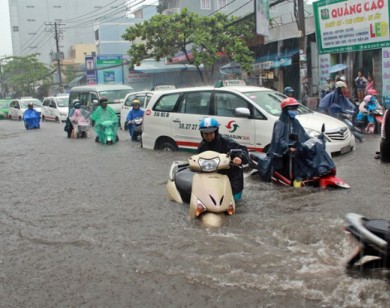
167 103
226 104
15 29
195 103
222 4
205 4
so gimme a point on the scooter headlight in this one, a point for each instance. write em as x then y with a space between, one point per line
209 165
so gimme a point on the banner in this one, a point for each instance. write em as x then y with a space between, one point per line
386 77
352 25
109 69
262 17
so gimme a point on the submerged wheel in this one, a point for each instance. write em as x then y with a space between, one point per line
167 146
43 118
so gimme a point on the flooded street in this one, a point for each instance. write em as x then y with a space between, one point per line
88 225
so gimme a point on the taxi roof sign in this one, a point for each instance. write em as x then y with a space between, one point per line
227 83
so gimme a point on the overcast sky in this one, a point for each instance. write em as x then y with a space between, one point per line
5 32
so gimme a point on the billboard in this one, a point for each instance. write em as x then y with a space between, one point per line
351 25
262 17
109 69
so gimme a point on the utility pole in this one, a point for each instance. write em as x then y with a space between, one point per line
57 33
299 13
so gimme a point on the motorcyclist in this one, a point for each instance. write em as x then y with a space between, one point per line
135 112
288 147
213 141
366 109
79 119
31 117
288 91
336 102
101 114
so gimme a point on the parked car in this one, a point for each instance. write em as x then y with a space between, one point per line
55 108
246 113
18 106
143 97
4 108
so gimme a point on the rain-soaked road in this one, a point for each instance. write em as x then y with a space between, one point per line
87 225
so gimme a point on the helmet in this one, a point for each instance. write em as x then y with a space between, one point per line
288 90
342 78
340 84
135 102
288 102
75 102
208 125
77 105
30 105
367 98
103 99
373 92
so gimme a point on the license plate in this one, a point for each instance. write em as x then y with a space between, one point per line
346 149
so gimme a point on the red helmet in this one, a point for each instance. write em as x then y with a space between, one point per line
372 92
289 102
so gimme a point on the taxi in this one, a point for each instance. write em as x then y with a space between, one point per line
246 114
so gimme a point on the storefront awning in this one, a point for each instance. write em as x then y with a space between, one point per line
151 66
275 60
230 68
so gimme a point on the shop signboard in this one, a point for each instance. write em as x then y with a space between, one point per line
353 25
386 77
109 69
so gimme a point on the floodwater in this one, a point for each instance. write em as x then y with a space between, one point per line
88 225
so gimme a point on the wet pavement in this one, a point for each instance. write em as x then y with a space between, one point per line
88 225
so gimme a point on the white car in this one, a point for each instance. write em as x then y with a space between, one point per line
143 97
18 106
246 114
55 108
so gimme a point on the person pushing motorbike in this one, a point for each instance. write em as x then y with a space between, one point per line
213 141
135 112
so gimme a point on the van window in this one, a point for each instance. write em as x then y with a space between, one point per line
114 95
167 102
195 103
226 104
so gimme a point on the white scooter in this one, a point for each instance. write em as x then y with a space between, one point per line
199 183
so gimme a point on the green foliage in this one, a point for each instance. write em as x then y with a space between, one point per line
209 39
23 74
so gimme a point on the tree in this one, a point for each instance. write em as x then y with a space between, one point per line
203 40
24 74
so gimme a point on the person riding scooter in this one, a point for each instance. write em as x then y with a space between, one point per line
336 102
103 117
31 117
134 113
289 151
366 110
79 120
213 141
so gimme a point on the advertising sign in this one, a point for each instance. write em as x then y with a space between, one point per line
353 25
90 70
386 77
109 69
262 17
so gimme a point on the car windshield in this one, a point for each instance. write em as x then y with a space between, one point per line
114 96
35 102
4 104
270 102
62 101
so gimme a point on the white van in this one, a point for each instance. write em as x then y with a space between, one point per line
89 95
245 113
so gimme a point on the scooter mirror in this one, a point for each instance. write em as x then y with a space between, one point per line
323 128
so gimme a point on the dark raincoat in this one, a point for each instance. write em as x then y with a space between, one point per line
310 159
334 103
224 145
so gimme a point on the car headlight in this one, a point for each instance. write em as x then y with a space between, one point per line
209 165
312 133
